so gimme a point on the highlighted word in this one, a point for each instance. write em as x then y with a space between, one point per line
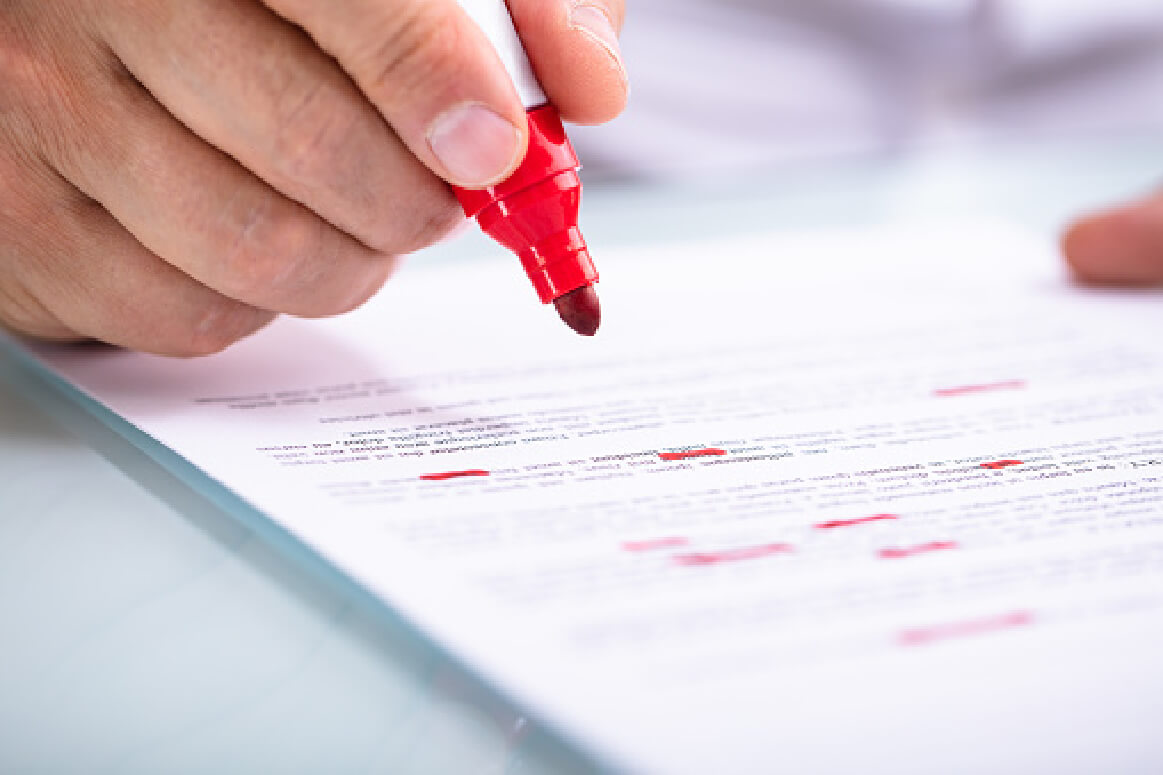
997 465
854 522
670 457
654 543
965 390
927 635
453 475
902 553
733 555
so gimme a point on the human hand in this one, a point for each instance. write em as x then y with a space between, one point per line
175 173
1121 246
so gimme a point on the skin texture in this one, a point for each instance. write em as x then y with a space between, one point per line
173 174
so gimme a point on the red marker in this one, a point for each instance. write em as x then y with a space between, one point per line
534 212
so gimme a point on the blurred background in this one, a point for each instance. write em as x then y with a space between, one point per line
722 87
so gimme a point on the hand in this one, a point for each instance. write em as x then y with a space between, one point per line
175 173
1122 246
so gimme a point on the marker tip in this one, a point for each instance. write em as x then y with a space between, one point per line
580 310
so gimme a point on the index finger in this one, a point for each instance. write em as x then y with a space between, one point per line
432 74
573 45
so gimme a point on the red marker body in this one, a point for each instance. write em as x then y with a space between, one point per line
534 212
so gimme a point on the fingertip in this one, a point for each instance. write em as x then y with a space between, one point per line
1122 246
594 23
1081 244
573 45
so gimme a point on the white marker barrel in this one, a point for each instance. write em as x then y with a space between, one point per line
492 16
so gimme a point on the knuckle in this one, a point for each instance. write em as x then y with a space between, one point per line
22 66
426 224
29 88
268 251
285 259
311 133
50 68
218 324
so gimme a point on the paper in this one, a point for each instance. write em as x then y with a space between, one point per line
879 501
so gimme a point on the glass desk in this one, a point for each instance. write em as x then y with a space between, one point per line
144 629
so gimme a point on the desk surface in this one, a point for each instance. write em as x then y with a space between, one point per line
144 630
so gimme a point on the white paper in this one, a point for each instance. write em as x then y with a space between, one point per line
880 501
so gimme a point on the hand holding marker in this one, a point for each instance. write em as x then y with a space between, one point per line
534 212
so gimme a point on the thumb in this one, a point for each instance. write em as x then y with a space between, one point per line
1121 246
432 74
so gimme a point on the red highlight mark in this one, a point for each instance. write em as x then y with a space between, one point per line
897 553
654 543
853 522
964 390
732 555
926 635
453 475
997 465
670 457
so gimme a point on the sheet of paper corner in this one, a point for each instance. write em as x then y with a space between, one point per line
435 320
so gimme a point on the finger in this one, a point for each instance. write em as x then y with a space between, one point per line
432 74
24 188
1123 246
200 211
88 277
20 310
257 88
573 45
